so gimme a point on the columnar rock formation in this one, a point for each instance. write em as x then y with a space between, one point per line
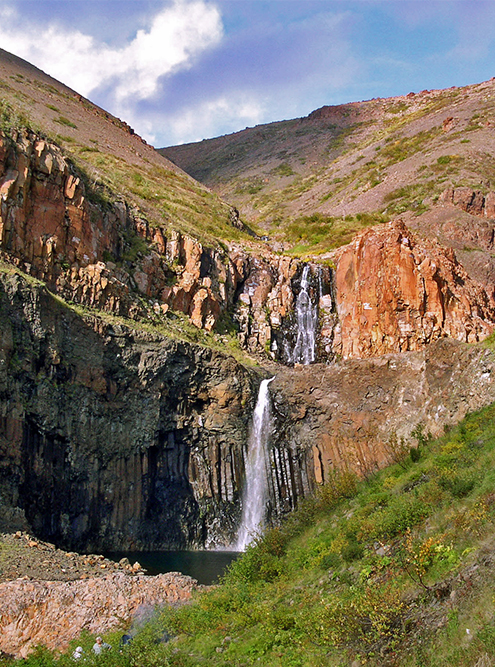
114 438
348 414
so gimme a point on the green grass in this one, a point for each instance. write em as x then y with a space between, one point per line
62 120
362 571
164 196
317 233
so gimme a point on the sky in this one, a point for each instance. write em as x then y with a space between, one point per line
184 70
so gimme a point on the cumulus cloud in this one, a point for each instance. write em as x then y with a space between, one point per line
233 110
175 36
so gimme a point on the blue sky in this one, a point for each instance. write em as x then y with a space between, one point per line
184 70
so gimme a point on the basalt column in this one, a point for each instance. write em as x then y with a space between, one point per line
112 438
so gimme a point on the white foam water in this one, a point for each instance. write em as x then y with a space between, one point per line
306 322
255 494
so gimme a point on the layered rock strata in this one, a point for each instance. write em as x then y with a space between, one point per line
53 613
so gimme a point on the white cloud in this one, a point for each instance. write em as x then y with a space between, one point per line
229 113
176 35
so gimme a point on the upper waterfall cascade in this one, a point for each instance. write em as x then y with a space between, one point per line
306 322
255 494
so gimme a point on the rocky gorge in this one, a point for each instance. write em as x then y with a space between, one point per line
116 437
124 414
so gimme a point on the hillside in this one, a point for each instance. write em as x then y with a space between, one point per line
138 317
394 570
311 183
114 160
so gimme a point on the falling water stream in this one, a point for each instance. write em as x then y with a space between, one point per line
307 322
256 480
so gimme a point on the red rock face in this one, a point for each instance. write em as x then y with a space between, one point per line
392 292
395 294
49 226
53 613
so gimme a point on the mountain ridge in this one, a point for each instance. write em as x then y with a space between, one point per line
354 164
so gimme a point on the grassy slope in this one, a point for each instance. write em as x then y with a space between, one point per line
393 570
116 162
375 160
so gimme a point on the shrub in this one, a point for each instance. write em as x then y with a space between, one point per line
363 617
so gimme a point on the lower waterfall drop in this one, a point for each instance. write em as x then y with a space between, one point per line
255 492
307 322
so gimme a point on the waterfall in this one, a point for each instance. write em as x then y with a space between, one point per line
306 322
255 493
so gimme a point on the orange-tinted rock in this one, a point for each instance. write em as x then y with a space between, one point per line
395 294
490 205
53 613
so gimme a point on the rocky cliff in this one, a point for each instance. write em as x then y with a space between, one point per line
388 292
349 414
112 437
117 438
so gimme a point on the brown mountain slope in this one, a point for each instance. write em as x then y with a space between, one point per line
114 158
312 182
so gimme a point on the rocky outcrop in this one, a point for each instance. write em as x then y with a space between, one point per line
112 438
92 248
389 292
53 613
471 201
396 294
346 414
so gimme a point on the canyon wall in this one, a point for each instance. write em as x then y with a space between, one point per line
385 292
112 438
349 414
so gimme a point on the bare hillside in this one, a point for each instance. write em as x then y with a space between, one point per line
108 151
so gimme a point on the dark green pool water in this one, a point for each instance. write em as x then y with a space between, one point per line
205 566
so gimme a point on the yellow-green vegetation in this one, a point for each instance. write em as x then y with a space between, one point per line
317 233
166 197
396 569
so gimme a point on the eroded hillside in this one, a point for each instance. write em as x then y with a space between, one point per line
312 182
